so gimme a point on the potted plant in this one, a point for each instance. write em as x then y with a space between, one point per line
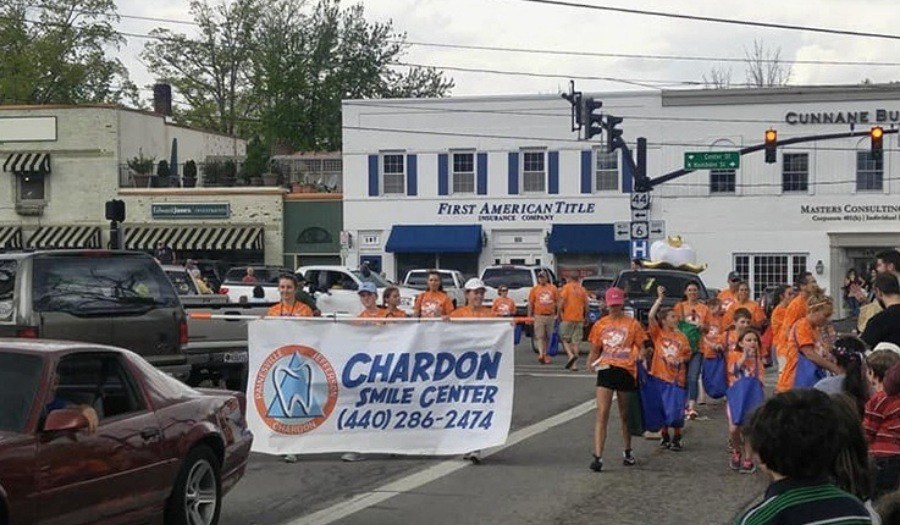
142 167
271 177
189 179
212 174
162 174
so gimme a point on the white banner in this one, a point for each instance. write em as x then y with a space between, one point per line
428 388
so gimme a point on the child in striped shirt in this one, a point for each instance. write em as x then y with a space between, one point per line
882 426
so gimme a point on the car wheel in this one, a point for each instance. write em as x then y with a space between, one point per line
196 498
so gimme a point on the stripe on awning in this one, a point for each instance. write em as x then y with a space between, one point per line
65 237
27 163
10 237
195 237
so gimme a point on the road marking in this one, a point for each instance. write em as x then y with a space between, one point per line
444 468
569 375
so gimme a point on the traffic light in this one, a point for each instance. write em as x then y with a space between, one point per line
591 118
771 144
877 136
115 210
613 135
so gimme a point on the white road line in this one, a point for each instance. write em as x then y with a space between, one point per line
444 468
569 375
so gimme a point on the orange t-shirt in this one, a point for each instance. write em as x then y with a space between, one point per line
795 311
395 313
378 312
757 315
619 341
543 299
433 304
727 297
671 352
739 365
298 309
777 320
574 302
697 314
465 311
802 334
503 307
712 340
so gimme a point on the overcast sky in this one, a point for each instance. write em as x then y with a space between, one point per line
514 23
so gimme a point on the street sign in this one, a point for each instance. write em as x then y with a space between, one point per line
640 215
640 200
640 230
640 250
657 230
712 160
622 231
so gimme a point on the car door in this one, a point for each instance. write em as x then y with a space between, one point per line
337 292
84 477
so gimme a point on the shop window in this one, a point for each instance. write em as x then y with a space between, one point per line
606 170
31 187
463 172
722 181
869 172
795 172
534 171
765 269
393 174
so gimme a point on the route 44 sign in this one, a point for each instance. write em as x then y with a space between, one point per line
640 200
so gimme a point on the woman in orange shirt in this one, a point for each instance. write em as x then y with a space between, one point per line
503 306
783 298
391 301
742 300
289 306
434 301
474 300
692 310
805 338
671 354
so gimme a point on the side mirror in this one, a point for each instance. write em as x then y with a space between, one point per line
65 419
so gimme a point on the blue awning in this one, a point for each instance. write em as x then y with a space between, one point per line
585 238
435 239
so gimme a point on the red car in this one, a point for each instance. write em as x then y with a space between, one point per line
161 453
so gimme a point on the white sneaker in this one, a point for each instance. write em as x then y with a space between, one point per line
652 435
352 456
474 456
289 458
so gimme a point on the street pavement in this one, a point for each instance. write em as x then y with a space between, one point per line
541 477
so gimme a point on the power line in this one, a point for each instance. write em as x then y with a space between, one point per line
698 18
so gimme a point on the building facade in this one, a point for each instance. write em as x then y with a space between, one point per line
474 181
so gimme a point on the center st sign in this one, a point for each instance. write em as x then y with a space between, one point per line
712 160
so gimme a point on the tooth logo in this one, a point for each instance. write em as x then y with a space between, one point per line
295 390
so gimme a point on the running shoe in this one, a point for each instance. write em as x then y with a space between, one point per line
628 458
664 442
690 413
289 458
747 467
352 456
735 462
597 464
677 445
474 456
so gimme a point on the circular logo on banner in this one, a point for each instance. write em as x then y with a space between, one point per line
295 389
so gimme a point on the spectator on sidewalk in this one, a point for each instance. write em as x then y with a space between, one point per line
882 425
249 278
164 254
729 295
885 325
887 261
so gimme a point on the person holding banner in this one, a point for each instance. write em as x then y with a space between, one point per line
616 342
289 306
671 354
743 365
805 348
391 300
474 289
368 296
434 301
503 306
543 308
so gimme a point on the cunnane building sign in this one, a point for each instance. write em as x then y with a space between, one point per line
879 116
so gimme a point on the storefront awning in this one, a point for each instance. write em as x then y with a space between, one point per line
585 238
27 163
195 237
435 239
10 238
65 238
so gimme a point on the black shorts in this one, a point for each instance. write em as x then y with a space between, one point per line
615 378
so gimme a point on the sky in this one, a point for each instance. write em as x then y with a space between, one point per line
521 24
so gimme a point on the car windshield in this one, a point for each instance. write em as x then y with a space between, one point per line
86 286
372 278
511 277
20 377
183 283
594 284
7 286
643 284
262 275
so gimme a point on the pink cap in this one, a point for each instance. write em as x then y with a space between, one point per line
615 297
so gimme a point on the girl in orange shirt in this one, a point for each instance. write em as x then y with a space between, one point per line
391 299
742 300
743 360
474 298
671 353
503 306
692 310
289 306
434 301
783 298
805 338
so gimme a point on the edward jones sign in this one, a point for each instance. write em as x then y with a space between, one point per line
214 210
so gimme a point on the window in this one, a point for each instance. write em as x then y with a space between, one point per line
7 288
534 172
97 380
20 379
795 172
393 173
765 270
722 181
606 170
463 173
869 172
31 186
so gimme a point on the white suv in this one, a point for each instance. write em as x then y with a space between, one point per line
335 288
519 280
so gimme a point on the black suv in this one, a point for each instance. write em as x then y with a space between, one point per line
640 289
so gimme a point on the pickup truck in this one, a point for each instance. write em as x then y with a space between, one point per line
640 289
519 279
451 280
334 288
266 277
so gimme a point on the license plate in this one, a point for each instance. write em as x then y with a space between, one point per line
235 357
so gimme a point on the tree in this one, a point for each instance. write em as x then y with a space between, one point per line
719 78
54 52
764 66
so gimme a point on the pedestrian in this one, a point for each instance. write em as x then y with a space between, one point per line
805 284
692 312
742 300
474 307
852 289
543 307
805 339
573 309
616 342
434 301
288 306
882 426
850 379
887 261
305 297
853 471
671 354
164 254
503 306
249 277
793 435
729 295
391 301
885 325
743 360
783 298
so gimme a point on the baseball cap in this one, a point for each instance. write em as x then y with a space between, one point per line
885 345
734 276
474 284
614 297
368 287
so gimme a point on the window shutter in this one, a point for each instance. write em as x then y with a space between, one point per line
553 183
513 179
412 182
627 174
373 175
481 183
586 172
443 175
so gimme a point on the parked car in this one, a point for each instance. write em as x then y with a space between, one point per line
266 279
451 280
334 288
162 451
640 289
214 271
104 297
519 279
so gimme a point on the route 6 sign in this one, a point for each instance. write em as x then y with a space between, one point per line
640 230
640 200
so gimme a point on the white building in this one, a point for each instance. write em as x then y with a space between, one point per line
472 181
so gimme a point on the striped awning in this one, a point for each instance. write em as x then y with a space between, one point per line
65 238
10 238
195 237
27 163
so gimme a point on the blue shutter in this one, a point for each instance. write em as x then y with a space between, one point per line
443 177
586 172
553 183
627 175
373 175
513 185
412 181
481 174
